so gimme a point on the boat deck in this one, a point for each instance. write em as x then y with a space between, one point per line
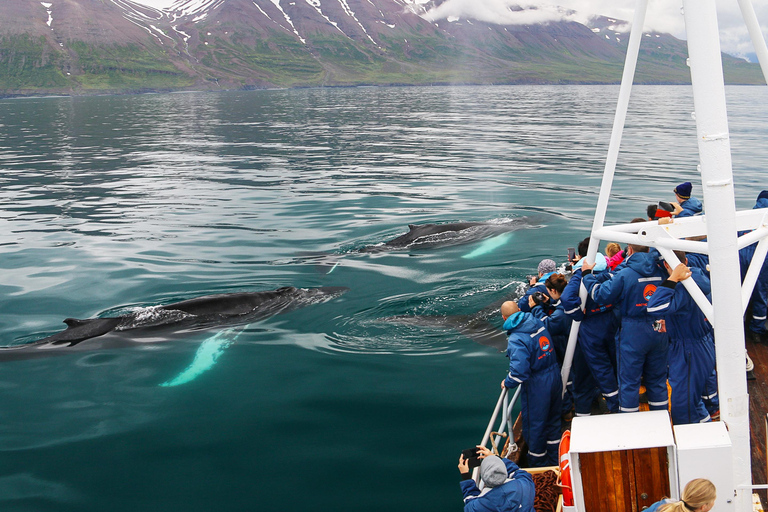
758 408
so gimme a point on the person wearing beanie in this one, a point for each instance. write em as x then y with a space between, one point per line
507 487
545 269
686 205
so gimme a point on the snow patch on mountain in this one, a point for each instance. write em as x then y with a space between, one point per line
290 22
318 7
351 14
197 8
49 11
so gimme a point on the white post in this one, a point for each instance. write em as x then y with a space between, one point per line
758 41
628 76
717 182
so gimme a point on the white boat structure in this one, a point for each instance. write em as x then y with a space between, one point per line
609 455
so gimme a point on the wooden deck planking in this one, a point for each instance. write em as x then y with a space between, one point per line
758 408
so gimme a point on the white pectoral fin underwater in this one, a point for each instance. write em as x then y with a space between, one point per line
206 356
488 246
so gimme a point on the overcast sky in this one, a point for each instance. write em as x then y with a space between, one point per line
663 15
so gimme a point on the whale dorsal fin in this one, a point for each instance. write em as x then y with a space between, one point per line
75 322
412 226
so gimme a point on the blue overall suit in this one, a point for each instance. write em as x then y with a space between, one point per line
711 400
691 347
582 390
690 208
597 337
760 293
522 303
532 363
514 495
642 350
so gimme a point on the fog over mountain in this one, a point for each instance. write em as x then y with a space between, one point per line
665 17
84 46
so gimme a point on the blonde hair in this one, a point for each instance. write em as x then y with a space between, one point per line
612 249
697 493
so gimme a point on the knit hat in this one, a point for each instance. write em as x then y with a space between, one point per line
762 195
493 471
546 266
684 190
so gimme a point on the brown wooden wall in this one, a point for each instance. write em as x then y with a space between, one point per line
624 481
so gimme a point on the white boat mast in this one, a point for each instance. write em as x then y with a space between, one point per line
720 226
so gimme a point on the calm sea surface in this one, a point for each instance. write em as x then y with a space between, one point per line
108 204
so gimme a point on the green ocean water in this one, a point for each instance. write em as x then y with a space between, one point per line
108 204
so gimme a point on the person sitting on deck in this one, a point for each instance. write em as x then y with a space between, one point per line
691 342
686 206
699 495
507 487
546 268
642 341
533 364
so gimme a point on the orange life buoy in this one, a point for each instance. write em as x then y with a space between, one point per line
565 468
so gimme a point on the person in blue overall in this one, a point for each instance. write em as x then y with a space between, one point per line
546 268
691 342
533 364
642 341
507 487
597 334
688 206
759 302
583 389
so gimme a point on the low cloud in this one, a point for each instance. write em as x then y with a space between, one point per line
662 16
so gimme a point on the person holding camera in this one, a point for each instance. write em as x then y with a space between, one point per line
582 391
533 364
546 268
596 341
686 206
507 487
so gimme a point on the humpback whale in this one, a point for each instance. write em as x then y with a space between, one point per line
200 312
454 233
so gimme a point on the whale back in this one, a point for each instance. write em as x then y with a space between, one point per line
78 330
416 231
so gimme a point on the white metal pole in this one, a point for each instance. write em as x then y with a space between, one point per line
630 63
758 41
748 286
717 183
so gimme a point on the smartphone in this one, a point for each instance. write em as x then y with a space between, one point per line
571 253
471 455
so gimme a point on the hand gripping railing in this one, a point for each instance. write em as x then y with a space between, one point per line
505 419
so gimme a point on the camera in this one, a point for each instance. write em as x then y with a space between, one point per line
539 298
471 455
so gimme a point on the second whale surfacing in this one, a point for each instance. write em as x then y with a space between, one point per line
202 312
448 234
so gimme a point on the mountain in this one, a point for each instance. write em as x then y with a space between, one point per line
82 46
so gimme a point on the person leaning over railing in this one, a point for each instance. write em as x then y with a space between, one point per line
507 487
533 365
